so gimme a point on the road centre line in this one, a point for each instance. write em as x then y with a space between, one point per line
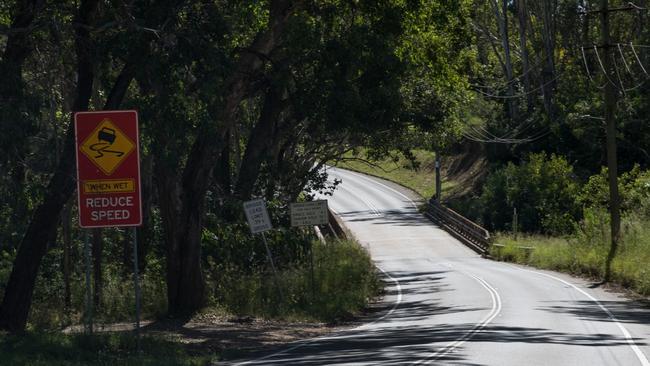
303 343
628 337
496 309
373 209
496 299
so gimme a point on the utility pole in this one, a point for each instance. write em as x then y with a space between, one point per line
610 99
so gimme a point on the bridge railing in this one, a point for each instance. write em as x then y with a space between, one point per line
463 229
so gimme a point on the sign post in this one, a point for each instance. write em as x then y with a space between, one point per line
108 180
89 296
311 213
259 222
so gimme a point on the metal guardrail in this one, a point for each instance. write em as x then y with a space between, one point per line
463 229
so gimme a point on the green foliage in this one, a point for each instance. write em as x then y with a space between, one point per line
584 252
416 173
344 281
49 349
633 187
543 189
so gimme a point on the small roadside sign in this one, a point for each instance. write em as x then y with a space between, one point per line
257 216
309 213
108 169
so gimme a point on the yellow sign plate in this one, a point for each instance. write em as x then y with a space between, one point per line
107 147
109 186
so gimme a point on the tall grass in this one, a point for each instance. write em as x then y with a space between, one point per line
344 280
585 252
36 349
401 170
49 312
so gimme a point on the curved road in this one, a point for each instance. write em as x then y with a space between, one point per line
447 306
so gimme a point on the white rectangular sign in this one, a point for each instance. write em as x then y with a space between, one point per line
257 216
309 213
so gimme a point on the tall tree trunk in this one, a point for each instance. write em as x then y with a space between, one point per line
19 290
502 21
66 228
223 174
14 126
189 285
548 72
258 144
522 16
97 249
170 207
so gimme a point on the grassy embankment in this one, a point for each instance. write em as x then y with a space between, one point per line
344 281
582 253
41 349
421 180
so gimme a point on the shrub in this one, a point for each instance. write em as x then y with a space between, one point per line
543 189
633 187
344 280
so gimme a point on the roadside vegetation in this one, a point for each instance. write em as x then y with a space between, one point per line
416 172
55 349
562 221
239 278
340 285
237 100
250 99
344 282
584 253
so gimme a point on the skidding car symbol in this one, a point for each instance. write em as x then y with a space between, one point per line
106 137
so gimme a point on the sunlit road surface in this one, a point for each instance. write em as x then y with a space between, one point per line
447 306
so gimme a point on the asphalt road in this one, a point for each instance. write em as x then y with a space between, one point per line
447 306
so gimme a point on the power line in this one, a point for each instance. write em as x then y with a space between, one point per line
520 95
638 59
620 85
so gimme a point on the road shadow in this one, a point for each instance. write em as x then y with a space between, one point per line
405 216
404 337
632 312
404 345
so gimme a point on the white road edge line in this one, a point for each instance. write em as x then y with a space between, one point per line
628 337
302 343
496 309
380 184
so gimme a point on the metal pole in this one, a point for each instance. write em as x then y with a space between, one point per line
136 284
438 184
313 287
515 221
275 271
333 231
89 297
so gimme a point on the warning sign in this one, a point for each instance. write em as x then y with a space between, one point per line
257 216
108 169
107 186
309 213
107 147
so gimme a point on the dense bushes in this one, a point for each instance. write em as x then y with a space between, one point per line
544 191
550 198
585 250
344 280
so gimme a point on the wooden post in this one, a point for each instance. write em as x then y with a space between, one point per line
610 96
